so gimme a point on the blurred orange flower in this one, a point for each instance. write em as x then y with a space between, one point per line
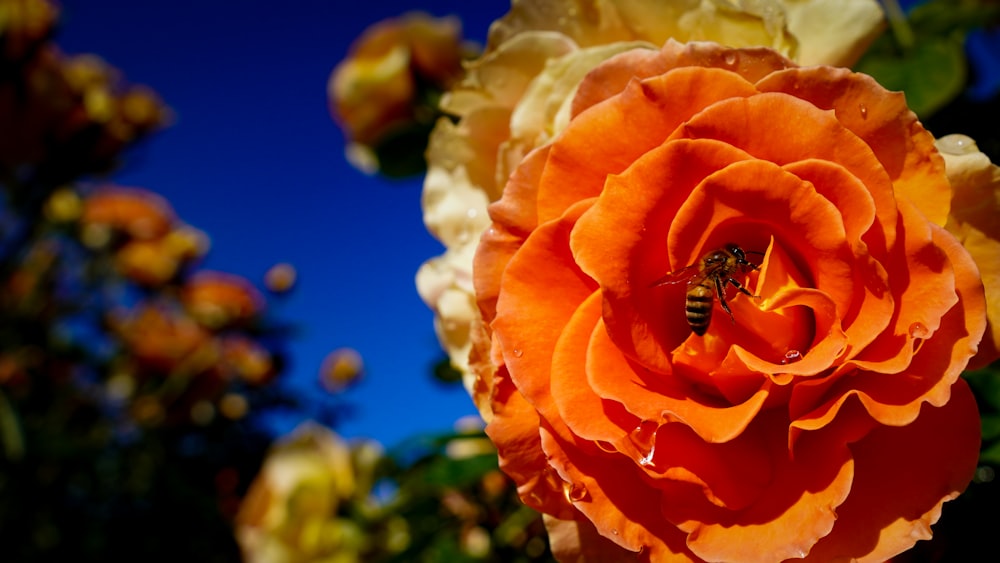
219 300
138 213
165 340
153 262
247 359
779 432
280 278
341 368
70 115
391 77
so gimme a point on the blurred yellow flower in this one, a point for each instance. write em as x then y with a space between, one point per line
289 513
24 24
63 206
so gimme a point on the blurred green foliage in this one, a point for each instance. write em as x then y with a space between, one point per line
923 55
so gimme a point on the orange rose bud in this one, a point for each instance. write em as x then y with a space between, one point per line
219 300
801 209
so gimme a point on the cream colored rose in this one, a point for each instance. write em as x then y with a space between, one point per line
517 96
290 512
975 220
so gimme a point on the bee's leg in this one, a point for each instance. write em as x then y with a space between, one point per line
742 289
720 291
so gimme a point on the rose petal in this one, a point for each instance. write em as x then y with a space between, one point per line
576 401
646 111
514 432
536 303
611 77
621 243
661 399
888 511
606 495
883 121
793 513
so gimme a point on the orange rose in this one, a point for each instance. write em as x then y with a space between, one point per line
516 97
824 418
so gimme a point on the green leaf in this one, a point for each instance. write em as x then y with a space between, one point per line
990 455
944 17
446 373
991 427
931 73
400 153
985 384
448 472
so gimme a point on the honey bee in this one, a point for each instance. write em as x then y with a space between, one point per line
707 280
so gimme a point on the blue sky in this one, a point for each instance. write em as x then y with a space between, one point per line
254 160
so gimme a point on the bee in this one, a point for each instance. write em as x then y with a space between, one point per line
708 279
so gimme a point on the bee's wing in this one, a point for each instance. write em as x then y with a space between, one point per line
689 274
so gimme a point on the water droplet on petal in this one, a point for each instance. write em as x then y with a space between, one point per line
575 492
647 459
864 111
956 144
643 437
614 532
791 356
518 352
919 330
730 58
